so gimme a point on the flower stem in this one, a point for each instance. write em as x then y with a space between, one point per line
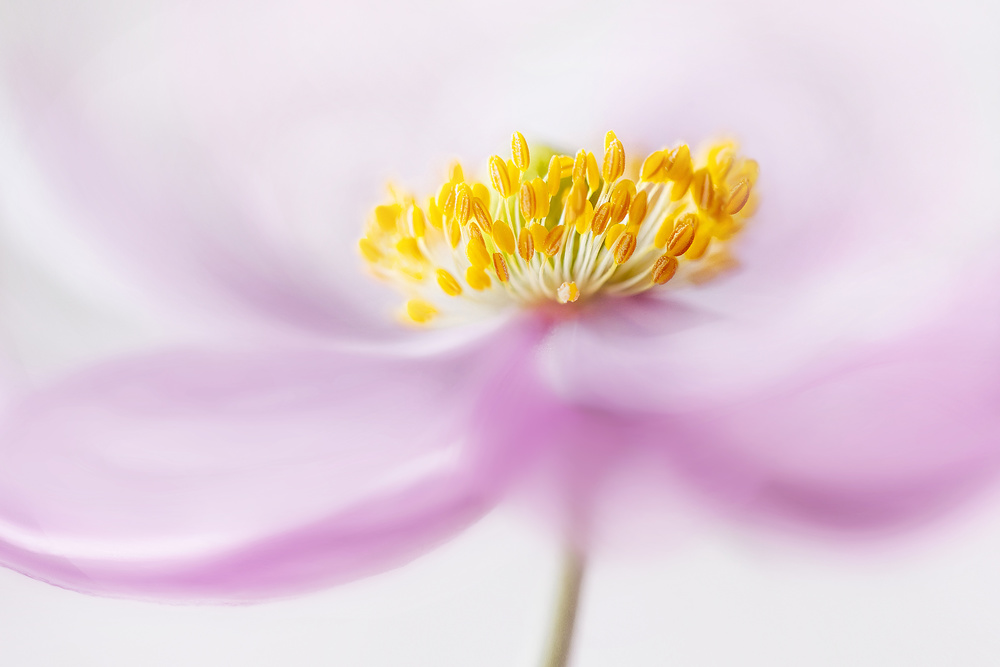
561 637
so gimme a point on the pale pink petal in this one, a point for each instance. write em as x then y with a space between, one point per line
233 475
877 432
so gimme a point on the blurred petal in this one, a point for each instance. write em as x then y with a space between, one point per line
877 432
211 475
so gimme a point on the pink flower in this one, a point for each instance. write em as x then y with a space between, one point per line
291 435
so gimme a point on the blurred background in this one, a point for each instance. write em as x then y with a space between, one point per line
304 110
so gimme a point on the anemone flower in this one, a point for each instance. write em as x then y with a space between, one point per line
816 345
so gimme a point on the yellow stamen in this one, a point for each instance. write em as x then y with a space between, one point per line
568 292
463 245
519 151
482 193
386 216
602 216
593 173
476 248
477 278
637 211
651 166
420 311
526 245
683 235
503 237
614 231
499 176
738 197
500 267
526 201
553 240
482 215
664 269
624 247
553 175
448 283
614 161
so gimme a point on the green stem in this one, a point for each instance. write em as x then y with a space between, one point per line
561 638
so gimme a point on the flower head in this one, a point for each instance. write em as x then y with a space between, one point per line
274 429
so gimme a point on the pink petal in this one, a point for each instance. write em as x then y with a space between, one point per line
875 433
233 475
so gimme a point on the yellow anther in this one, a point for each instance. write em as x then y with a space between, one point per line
621 199
420 311
482 193
455 173
614 162
568 292
514 174
576 200
408 272
463 203
586 219
637 211
580 166
526 201
664 269
454 232
481 214
554 240
408 247
720 160
665 231
738 197
602 216
500 267
683 235
553 176
386 216
614 231
499 176
624 247
538 234
477 278
702 237
566 164
651 166
680 162
434 213
449 284
593 173
448 207
476 250
503 237
680 187
541 197
369 250
519 151
417 222
526 245
609 136
702 189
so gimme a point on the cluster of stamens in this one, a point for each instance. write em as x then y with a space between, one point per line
560 228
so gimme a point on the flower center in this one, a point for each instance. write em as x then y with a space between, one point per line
556 228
